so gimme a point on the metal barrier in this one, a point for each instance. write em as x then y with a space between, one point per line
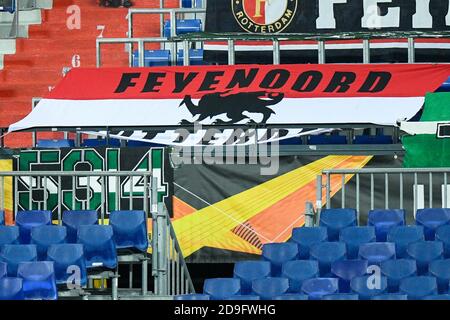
75 190
368 189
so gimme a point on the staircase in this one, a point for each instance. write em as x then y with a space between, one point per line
32 66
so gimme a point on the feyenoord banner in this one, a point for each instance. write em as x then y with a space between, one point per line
328 16
236 95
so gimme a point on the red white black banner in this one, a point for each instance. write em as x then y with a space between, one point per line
241 94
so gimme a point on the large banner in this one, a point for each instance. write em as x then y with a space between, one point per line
231 95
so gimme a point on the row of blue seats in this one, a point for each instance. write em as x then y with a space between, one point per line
183 26
162 58
89 143
338 139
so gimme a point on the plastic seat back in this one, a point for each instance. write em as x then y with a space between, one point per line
44 236
99 247
424 252
384 220
26 220
417 288
11 289
38 280
247 271
13 254
3 269
291 296
438 297
441 270
397 270
298 271
317 288
305 237
279 253
353 237
73 219
443 235
68 258
431 219
403 236
9 235
367 287
346 270
243 297
221 288
130 229
337 219
326 253
341 296
191 297
268 288
377 252
391 296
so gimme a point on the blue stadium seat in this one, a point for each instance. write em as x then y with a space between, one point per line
195 57
424 252
397 270
417 288
2 218
305 237
192 297
243 297
3 269
38 280
432 219
11 289
367 287
441 270
8 7
136 143
317 288
337 219
326 253
73 219
130 229
384 220
9 235
346 270
13 254
298 271
183 26
377 252
99 247
221 288
67 258
327 139
438 297
26 220
247 271
378 139
391 296
291 296
443 235
341 296
353 237
55 144
44 236
92 143
268 288
153 58
403 236
279 253
191 3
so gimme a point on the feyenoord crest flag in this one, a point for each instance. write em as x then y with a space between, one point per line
235 95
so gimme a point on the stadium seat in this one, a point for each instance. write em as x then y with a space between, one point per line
424 252
8 6
417 288
441 270
38 280
11 289
191 297
129 229
367 287
99 247
55 144
377 139
346 270
13 254
298 271
243 297
397 270
191 3
377 252
279 253
221 288
183 26
92 143
326 253
327 139
195 57
26 220
2 218
431 219
65 258
317 288
291 296
403 236
384 220
438 297
268 288
3 269
305 237
247 271
443 235
341 296
353 237
44 236
9 235
391 296
73 219
153 58
337 219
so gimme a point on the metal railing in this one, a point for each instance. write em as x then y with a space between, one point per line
75 190
392 188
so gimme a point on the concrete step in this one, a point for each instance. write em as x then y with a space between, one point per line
25 17
5 31
7 46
